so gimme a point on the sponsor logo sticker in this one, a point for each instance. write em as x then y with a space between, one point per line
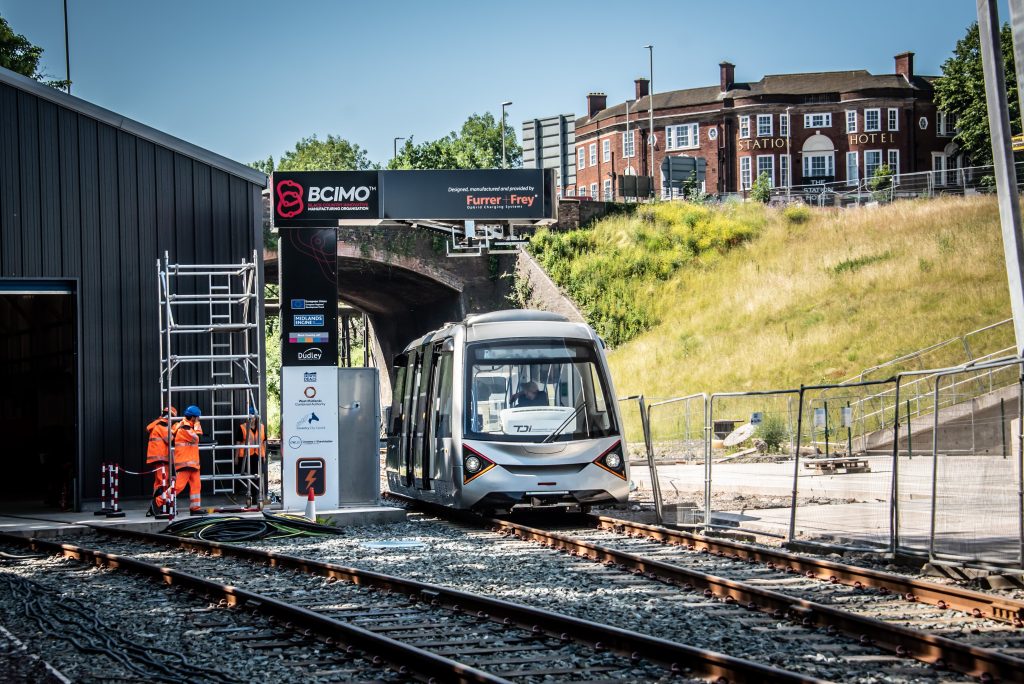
309 338
309 376
310 392
289 199
308 320
311 354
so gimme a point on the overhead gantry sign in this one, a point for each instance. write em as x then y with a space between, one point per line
479 208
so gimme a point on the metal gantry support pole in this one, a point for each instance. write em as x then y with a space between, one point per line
1002 154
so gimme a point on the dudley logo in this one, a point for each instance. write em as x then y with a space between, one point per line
289 199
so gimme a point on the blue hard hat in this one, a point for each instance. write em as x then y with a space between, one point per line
252 410
193 411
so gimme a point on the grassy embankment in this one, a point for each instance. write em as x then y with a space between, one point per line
747 297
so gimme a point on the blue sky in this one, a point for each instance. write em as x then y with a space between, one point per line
248 78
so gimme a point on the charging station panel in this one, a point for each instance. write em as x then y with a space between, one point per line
309 435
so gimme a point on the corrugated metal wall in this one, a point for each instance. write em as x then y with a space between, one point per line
82 199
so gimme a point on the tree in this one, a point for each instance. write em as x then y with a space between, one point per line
17 53
762 188
477 145
960 93
880 183
333 154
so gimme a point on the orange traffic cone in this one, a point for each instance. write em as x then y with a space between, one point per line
311 506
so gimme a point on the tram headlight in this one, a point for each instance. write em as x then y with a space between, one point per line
613 461
473 465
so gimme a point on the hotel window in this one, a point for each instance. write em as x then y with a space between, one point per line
894 162
681 137
581 163
607 195
945 125
784 179
784 125
764 125
744 126
872 160
819 165
593 190
872 120
606 150
593 154
744 173
766 164
939 166
894 119
851 121
628 145
852 169
820 120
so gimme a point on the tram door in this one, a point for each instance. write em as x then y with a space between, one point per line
421 452
396 420
438 442
408 426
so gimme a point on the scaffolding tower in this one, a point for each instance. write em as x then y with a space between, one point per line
211 354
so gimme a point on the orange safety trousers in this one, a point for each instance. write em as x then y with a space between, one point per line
185 477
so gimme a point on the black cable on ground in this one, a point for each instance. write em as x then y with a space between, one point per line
235 529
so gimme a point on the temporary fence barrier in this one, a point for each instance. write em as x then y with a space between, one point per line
628 427
928 462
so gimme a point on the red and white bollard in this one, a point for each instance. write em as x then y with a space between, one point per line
103 490
115 510
172 500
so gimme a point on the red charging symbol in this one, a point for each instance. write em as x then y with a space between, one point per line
310 472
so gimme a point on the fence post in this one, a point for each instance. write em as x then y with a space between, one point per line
655 485
894 512
935 469
709 410
1019 439
796 465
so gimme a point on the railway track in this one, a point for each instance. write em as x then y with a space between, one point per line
424 629
887 620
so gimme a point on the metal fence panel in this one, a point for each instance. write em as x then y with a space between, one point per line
678 428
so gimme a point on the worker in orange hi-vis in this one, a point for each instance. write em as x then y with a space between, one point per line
253 447
158 449
186 461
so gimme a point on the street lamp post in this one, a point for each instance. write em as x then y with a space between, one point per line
395 145
503 105
650 114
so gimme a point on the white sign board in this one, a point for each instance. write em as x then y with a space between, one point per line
819 417
847 416
756 418
309 435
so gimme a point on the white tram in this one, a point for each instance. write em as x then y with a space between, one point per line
507 409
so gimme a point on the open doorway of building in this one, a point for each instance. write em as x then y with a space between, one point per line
38 394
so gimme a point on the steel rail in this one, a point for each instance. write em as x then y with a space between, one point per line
675 657
403 657
942 596
903 641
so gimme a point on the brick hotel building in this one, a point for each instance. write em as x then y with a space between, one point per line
802 129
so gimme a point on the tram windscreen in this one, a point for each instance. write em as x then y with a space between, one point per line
536 391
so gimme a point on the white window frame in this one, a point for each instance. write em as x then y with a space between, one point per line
606 150
943 127
745 180
744 126
629 144
593 193
581 161
593 154
785 176
570 192
784 125
770 169
672 136
830 164
767 131
894 119
892 158
854 178
867 121
869 173
606 191
826 120
851 120
942 170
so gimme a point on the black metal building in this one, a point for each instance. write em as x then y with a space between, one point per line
89 201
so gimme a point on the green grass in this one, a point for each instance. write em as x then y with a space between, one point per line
747 297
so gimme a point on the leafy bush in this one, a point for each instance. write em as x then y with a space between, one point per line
762 188
773 431
796 213
881 184
857 263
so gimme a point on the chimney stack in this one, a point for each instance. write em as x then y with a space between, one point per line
643 87
596 102
905 65
727 75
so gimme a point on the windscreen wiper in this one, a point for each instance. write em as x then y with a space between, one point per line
565 423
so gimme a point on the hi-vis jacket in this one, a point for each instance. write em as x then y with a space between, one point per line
159 441
186 444
257 445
